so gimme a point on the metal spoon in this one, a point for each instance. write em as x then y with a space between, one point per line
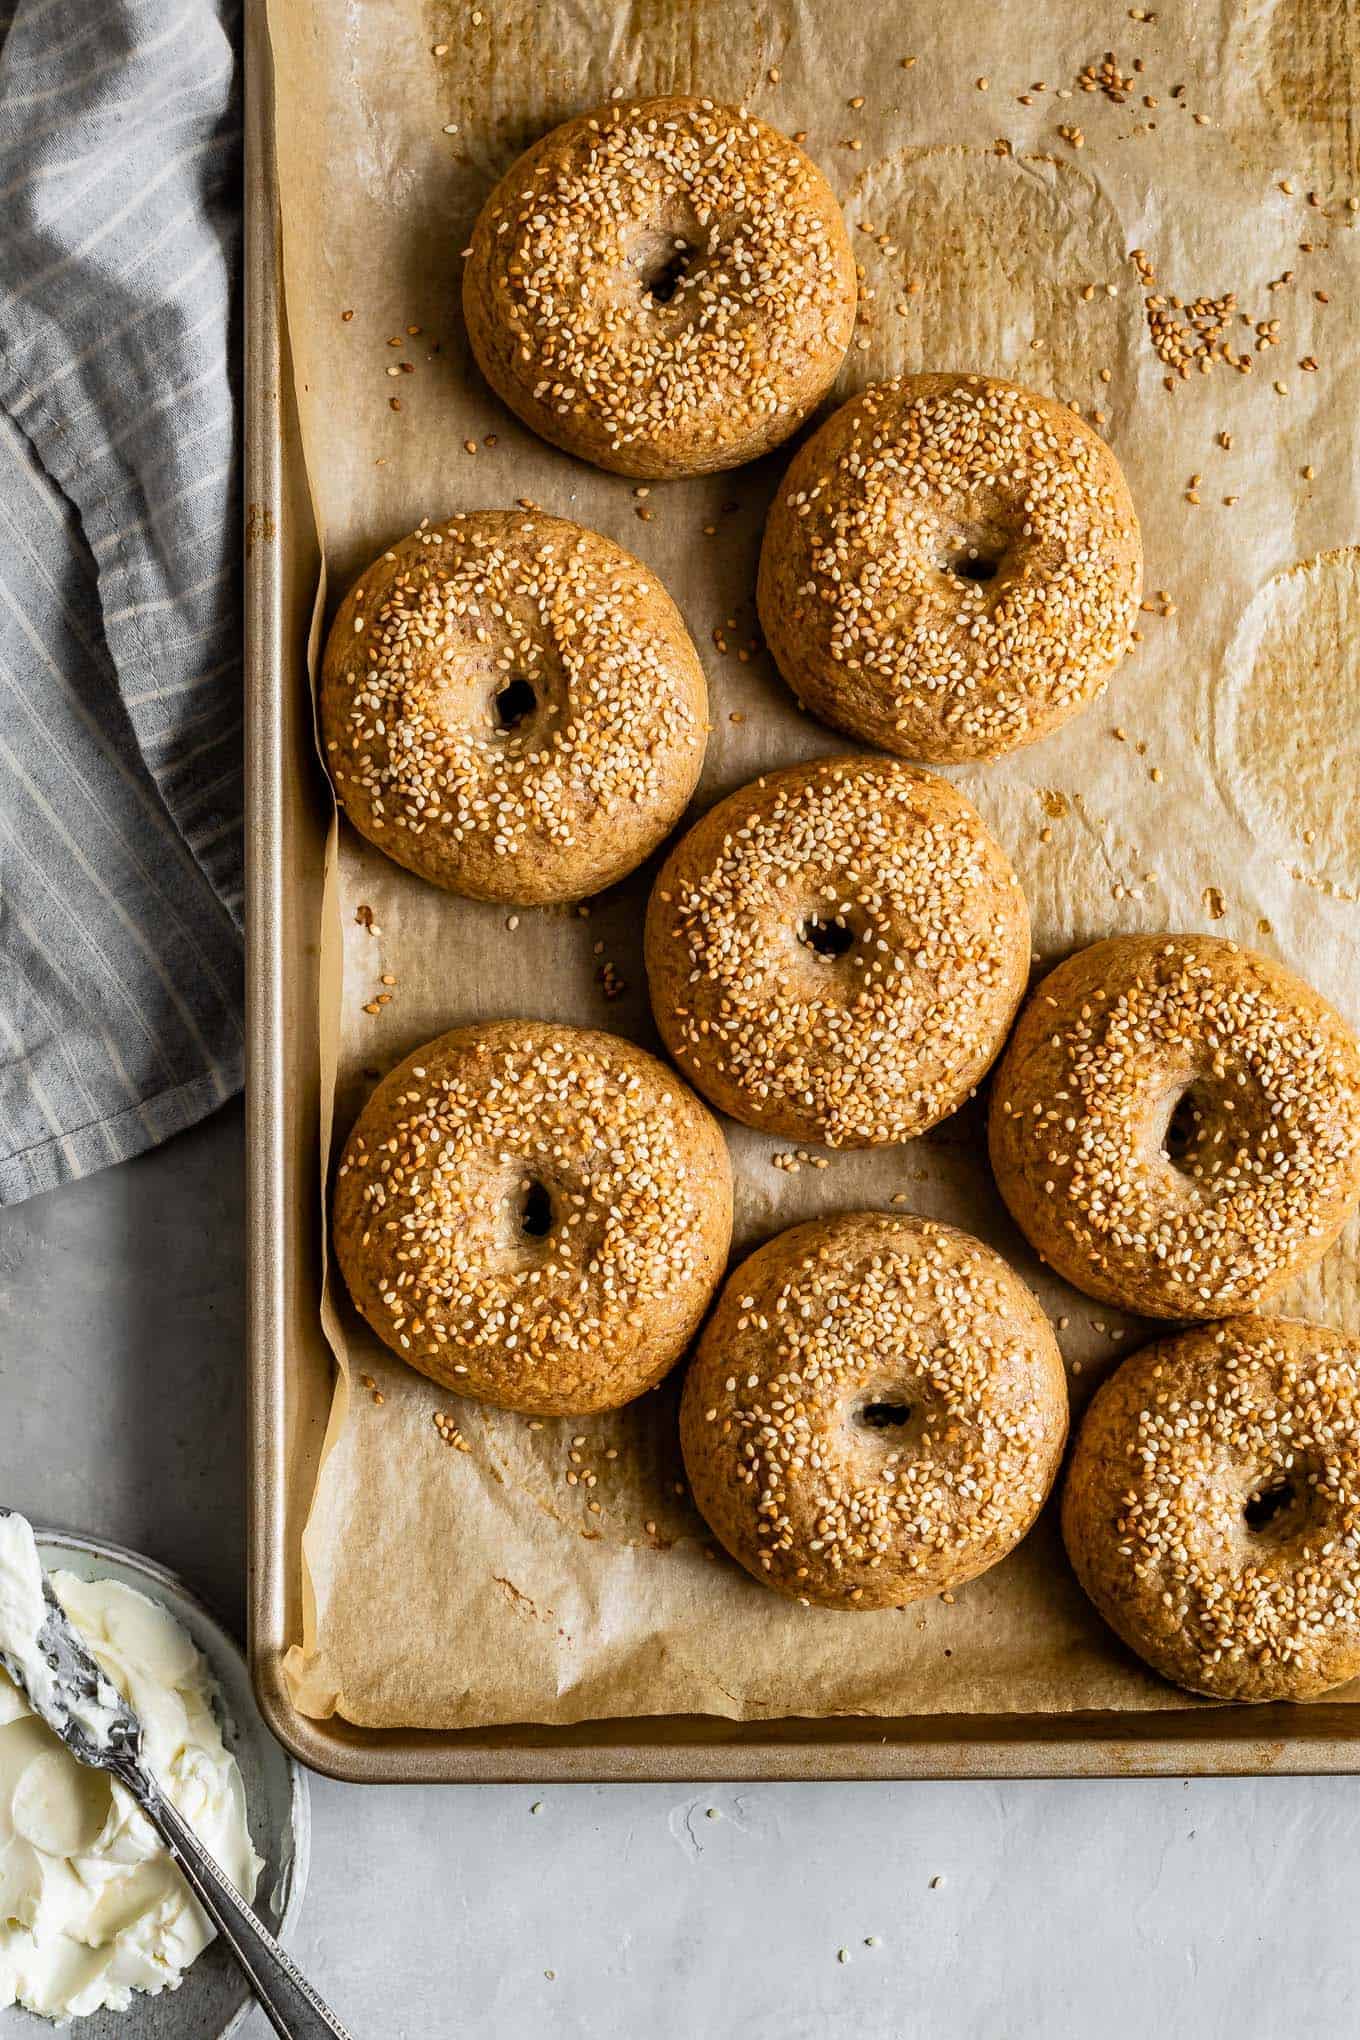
68 1691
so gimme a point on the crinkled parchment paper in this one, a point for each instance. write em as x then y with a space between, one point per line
1215 787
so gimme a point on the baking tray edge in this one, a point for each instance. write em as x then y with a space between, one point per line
281 1254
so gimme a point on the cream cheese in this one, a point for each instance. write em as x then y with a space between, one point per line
91 1906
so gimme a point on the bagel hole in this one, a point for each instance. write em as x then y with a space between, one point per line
1183 1128
661 280
973 565
535 1210
884 1416
513 704
1264 1509
829 939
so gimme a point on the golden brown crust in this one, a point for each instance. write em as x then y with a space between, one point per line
534 1215
1212 1508
1175 1124
512 708
728 221
892 871
951 567
876 1411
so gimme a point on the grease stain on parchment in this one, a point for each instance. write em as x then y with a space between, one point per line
511 83
1312 78
1286 717
986 262
1290 75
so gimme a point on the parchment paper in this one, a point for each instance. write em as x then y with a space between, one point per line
1217 786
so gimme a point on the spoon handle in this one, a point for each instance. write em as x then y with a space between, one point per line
293 2008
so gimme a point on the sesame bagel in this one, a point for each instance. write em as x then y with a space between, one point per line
512 708
662 286
876 1411
951 568
1175 1124
1212 1508
534 1215
836 951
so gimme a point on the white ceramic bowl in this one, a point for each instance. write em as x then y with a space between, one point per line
213 2000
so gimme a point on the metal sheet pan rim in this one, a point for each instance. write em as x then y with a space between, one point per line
1234 1742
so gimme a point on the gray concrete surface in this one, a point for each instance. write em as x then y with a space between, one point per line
1222 1910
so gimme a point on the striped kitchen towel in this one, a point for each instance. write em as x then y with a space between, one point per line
120 655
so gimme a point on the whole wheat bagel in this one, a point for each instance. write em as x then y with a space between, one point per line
1212 1507
1175 1124
511 706
836 951
876 1411
662 286
951 567
534 1215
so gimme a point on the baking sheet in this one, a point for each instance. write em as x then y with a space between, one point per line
449 1588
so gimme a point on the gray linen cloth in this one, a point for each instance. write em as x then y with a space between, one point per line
120 663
